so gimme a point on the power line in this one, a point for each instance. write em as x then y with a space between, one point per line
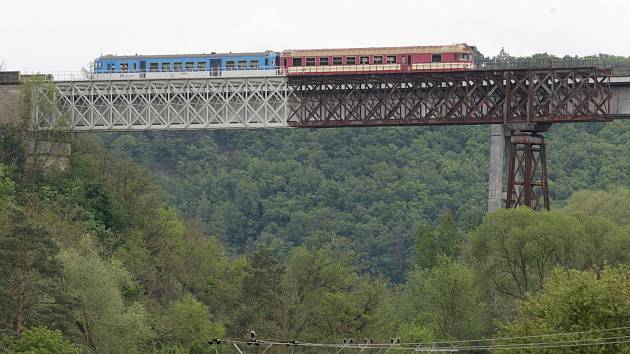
551 345
420 348
450 346
520 337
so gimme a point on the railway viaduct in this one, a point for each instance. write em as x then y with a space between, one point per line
519 104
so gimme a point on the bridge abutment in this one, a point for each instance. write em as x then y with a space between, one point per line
9 97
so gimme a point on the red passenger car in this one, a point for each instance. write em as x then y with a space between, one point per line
377 60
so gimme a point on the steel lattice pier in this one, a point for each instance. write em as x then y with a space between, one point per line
527 175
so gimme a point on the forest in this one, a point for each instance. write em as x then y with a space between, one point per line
161 242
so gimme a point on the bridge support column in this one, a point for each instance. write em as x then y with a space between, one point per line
498 146
527 175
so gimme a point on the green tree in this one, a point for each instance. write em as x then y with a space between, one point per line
153 251
260 298
29 267
574 301
7 187
411 304
604 243
514 250
210 275
107 324
41 340
613 205
187 323
358 309
454 306
12 150
445 239
309 276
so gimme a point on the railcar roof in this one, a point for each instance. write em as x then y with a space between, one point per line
180 56
378 50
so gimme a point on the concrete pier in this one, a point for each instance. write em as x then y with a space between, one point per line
496 195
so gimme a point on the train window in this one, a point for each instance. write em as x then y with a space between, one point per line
166 66
310 61
297 61
351 60
153 66
111 67
464 57
124 67
190 66
378 59
337 60
177 66
391 59
242 64
230 64
364 60
323 61
201 66
436 58
253 64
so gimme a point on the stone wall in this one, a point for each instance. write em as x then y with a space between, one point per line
9 103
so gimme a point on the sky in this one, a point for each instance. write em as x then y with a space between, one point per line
65 35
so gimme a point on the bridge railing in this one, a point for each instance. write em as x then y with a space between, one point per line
618 66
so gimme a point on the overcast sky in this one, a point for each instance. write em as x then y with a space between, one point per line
64 35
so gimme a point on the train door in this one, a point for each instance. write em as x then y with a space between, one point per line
405 62
143 66
215 66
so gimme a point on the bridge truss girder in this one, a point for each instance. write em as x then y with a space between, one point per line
213 103
451 98
427 98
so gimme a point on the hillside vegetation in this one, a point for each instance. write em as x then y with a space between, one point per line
373 187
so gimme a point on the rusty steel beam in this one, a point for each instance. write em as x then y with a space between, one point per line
527 176
450 98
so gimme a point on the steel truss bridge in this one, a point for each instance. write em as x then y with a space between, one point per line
524 101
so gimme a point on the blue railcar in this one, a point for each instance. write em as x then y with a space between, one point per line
214 64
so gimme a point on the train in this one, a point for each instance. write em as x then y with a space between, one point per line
292 62
186 65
